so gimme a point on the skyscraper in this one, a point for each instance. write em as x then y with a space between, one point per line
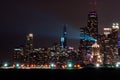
90 31
92 24
114 38
30 42
109 44
29 47
64 38
18 56
82 46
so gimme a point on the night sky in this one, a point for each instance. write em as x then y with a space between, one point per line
45 19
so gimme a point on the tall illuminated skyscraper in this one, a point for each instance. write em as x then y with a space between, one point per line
30 42
91 30
114 38
109 44
92 24
82 46
29 47
64 38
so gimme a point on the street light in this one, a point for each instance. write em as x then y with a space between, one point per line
5 64
70 64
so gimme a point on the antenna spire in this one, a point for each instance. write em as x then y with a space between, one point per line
93 4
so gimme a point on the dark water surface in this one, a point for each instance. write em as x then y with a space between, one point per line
59 74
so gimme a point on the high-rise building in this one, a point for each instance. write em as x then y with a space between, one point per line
29 44
105 50
107 31
114 39
29 47
64 38
95 56
18 56
89 35
92 24
82 46
109 44
91 29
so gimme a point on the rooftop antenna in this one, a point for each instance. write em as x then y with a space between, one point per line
93 4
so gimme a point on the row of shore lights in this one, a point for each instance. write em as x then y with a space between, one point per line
69 65
52 65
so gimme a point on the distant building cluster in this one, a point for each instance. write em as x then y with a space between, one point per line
99 48
93 48
44 56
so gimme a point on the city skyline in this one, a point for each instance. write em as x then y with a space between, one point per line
45 19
